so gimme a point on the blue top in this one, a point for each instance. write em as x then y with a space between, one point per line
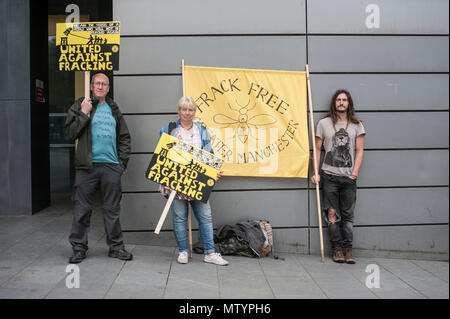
103 128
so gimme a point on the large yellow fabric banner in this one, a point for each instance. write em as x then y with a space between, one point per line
257 119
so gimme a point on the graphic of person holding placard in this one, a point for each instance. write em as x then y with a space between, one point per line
342 135
102 150
193 133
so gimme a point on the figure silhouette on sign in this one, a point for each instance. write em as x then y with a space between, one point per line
67 31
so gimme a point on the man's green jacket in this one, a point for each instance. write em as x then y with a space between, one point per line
78 129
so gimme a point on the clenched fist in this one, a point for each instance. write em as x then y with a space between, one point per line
86 106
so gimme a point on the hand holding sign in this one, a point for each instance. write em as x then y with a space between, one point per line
86 106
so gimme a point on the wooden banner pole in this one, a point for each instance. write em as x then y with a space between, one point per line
182 76
87 84
316 170
189 206
165 211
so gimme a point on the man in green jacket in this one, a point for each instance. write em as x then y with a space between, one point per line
102 150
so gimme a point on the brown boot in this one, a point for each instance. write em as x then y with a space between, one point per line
338 256
349 259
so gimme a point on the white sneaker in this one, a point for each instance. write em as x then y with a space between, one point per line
215 258
183 257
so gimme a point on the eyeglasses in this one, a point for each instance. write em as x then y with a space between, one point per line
99 84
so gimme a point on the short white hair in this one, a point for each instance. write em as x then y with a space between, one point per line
96 75
185 101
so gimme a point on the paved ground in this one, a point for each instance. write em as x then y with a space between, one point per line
34 251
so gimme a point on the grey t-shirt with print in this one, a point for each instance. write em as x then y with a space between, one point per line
339 146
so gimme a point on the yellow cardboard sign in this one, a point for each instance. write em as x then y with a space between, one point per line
88 46
257 119
184 168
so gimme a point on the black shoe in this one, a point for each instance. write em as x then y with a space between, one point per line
121 254
77 257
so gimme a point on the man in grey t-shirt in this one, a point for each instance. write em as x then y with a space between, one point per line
341 134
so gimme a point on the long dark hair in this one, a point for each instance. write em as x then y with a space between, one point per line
350 111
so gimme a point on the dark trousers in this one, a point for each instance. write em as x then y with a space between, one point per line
339 193
106 177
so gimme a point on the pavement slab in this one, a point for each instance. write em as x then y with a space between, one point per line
35 252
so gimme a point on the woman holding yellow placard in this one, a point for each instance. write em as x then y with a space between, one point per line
196 134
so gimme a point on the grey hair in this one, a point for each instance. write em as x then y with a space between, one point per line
186 100
98 74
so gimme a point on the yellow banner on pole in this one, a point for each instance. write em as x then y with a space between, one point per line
257 119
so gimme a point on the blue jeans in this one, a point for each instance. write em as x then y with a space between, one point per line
202 212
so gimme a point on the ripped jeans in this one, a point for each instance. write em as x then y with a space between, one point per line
339 193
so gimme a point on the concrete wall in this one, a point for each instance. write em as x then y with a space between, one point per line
397 72
24 138
15 115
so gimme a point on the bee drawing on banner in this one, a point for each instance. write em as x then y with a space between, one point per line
244 124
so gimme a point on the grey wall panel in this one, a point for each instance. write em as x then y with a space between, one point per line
293 240
147 94
403 130
212 17
134 180
141 211
284 208
15 49
414 242
406 130
384 91
404 168
164 54
396 206
144 130
237 182
396 17
378 54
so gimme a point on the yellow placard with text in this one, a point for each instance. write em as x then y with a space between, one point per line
88 46
257 118
184 168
